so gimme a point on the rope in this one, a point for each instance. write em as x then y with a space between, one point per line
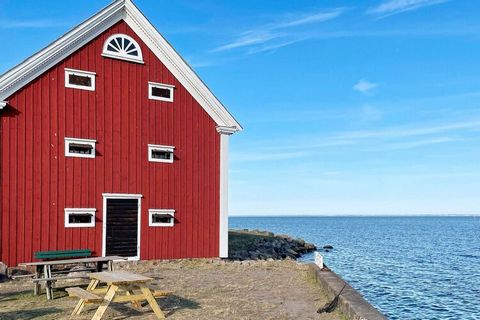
330 307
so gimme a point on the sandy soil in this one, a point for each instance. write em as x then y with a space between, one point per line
203 289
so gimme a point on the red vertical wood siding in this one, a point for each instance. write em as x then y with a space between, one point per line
38 182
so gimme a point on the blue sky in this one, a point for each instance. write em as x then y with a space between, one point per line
349 107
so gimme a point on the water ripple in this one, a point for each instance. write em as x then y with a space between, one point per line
407 267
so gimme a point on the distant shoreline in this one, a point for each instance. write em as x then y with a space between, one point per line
477 215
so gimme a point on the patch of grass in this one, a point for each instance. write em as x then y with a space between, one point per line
245 241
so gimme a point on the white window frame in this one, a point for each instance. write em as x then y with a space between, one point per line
151 212
155 147
89 142
169 87
122 55
91 75
80 211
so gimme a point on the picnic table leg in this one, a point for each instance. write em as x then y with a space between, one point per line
36 285
151 301
91 286
110 265
48 284
106 302
136 304
99 266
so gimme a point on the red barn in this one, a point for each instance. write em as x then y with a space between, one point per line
109 141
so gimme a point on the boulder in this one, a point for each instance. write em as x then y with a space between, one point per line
328 247
3 271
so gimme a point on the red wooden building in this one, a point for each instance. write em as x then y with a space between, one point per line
109 141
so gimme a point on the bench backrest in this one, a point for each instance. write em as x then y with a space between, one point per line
49 255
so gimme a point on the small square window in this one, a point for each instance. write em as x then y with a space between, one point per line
157 153
160 91
80 148
79 217
161 217
77 79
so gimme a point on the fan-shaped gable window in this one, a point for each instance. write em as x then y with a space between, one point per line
121 46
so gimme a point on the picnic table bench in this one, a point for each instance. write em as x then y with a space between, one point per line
63 254
121 287
44 271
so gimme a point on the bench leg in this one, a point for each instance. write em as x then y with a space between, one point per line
152 302
136 304
106 302
79 307
110 265
48 284
36 285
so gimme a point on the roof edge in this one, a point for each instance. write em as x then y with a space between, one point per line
19 76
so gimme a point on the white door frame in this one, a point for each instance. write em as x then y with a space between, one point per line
121 196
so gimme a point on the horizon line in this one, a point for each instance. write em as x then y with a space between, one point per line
354 215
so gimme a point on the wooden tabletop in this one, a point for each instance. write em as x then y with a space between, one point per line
119 277
73 261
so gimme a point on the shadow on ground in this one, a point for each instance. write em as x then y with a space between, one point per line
29 314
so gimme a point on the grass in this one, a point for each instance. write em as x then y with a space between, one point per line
245 241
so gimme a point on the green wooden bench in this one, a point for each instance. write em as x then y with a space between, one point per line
51 255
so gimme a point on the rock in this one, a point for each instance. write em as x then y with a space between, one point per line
264 245
328 246
3 271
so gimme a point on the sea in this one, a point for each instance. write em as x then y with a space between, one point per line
421 267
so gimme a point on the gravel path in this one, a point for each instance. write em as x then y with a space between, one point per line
203 289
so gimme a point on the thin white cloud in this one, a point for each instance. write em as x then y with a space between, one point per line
364 86
392 7
422 143
249 38
279 30
310 18
387 138
29 24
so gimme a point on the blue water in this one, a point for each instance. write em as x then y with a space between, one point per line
407 267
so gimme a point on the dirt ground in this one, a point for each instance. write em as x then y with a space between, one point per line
203 289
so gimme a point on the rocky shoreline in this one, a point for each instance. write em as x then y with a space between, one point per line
263 245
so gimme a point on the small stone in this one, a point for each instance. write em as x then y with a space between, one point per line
328 246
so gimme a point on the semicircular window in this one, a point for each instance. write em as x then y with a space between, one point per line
121 46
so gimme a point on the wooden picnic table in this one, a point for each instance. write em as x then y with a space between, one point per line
120 288
44 270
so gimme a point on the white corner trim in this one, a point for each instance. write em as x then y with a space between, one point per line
3 104
170 212
107 196
155 147
80 211
91 75
169 87
224 139
226 130
88 142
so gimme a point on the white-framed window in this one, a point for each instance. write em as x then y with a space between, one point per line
161 217
123 47
160 91
78 79
157 153
81 148
79 217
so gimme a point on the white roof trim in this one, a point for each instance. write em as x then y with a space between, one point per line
3 104
40 62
